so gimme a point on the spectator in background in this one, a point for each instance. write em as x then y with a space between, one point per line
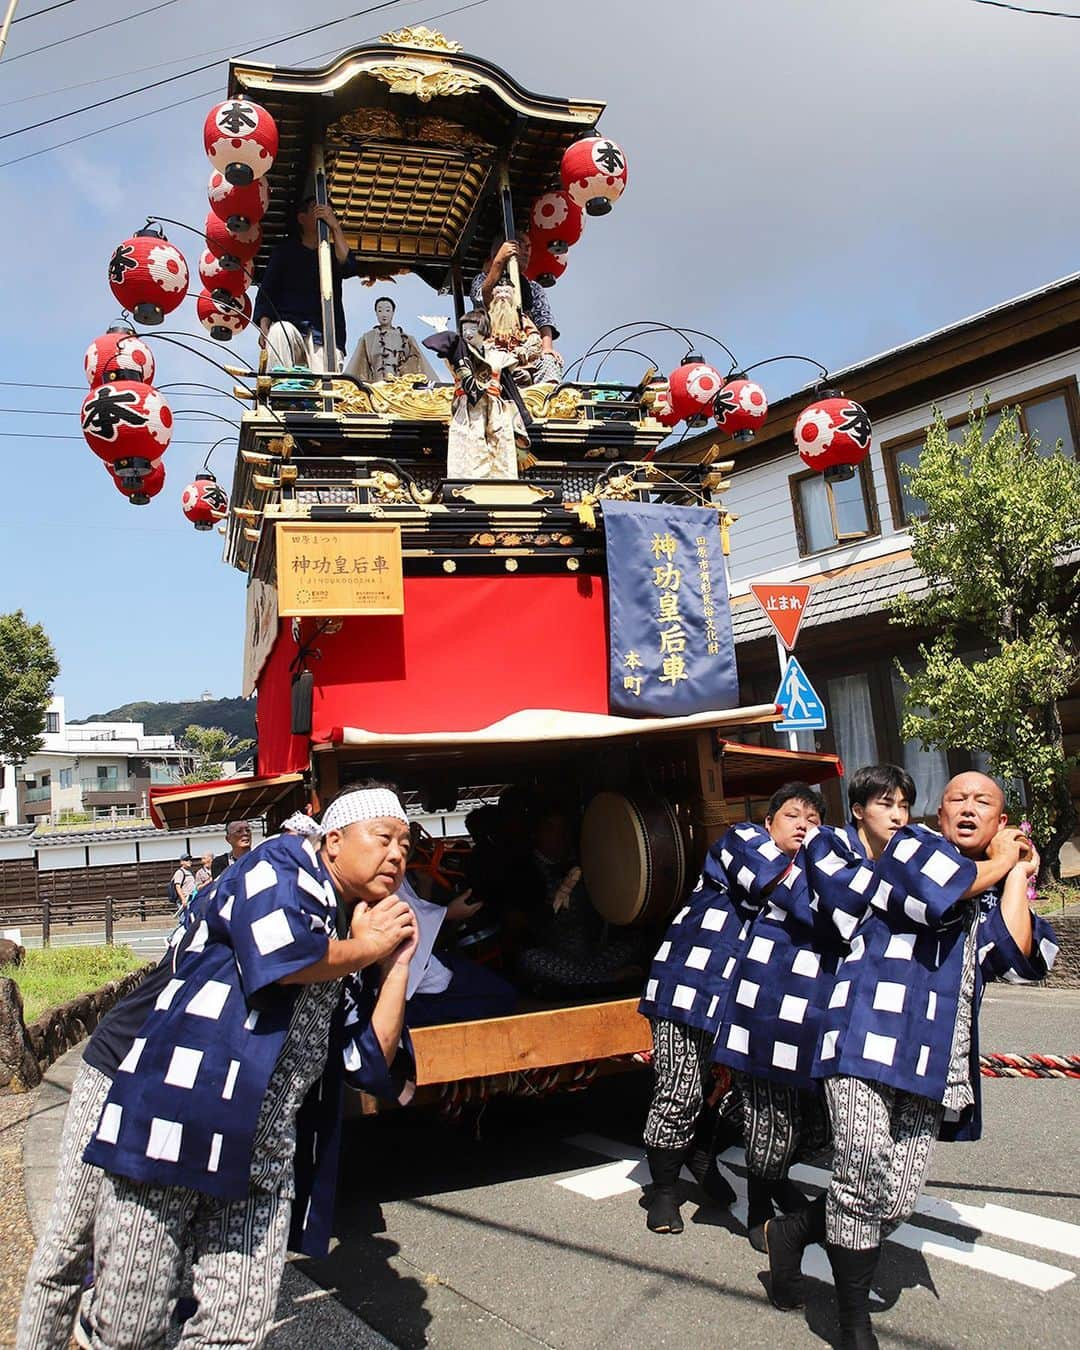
238 837
204 872
182 883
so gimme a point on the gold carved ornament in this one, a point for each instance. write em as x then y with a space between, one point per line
563 406
421 36
382 124
406 397
425 81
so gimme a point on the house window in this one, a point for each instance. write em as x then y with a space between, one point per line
52 724
67 778
834 512
1050 414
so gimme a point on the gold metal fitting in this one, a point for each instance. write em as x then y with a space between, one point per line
449 565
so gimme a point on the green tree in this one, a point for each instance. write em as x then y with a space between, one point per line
28 670
998 547
211 747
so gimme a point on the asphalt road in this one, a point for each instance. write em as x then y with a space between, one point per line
525 1227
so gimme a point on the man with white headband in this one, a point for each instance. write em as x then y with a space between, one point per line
221 1127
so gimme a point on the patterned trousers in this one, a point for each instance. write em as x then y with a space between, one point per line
884 1139
139 1240
681 1068
55 1279
772 1119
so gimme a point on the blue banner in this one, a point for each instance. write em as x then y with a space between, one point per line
672 652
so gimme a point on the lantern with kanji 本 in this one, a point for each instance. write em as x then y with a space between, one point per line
543 267
222 281
138 491
118 355
239 207
127 424
233 247
593 172
740 407
148 275
204 501
556 222
692 390
224 316
833 435
241 140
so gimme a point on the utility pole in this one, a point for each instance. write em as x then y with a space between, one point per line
9 15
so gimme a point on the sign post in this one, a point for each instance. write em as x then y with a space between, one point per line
784 605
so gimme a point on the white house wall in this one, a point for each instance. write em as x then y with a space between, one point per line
763 540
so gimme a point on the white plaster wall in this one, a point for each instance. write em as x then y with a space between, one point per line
763 541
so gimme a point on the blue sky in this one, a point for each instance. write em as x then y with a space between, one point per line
832 178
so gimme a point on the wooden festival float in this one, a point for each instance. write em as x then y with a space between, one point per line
449 633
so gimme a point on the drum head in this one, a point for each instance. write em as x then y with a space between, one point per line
632 857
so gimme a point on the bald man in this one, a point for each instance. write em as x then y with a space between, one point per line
899 1051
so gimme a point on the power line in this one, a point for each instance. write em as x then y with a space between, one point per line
196 70
87 32
179 103
38 12
61 436
1020 9
77 388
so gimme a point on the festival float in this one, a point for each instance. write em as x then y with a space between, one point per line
554 623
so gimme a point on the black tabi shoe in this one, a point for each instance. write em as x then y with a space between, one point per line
854 1274
702 1164
665 1165
786 1239
759 1210
787 1197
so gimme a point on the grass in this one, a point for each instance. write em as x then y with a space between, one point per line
52 975
1055 896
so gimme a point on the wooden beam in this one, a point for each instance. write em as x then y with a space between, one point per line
539 1040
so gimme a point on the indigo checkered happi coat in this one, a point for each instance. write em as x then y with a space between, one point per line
783 977
186 1099
688 973
894 1005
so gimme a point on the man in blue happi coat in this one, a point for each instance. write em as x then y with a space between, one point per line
899 1046
682 1000
220 1130
777 995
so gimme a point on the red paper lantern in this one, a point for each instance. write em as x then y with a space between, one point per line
543 267
833 435
118 355
139 491
556 221
593 172
225 316
741 408
238 207
241 140
127 424
693 388
204 502
148 275
233 247
222 281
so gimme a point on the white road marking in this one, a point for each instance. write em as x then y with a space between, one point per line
629 1172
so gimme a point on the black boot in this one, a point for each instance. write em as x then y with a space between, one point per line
665 1165
786 1196
759 1209
786 1239
854 1273
702 1161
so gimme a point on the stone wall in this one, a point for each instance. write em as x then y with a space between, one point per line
27 1051
1066 972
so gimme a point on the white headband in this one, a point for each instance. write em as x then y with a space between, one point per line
299 823
363 804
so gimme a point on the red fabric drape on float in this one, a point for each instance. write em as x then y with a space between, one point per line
467 652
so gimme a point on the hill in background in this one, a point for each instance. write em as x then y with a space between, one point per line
235 715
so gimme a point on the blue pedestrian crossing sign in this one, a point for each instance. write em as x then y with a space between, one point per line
803 710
